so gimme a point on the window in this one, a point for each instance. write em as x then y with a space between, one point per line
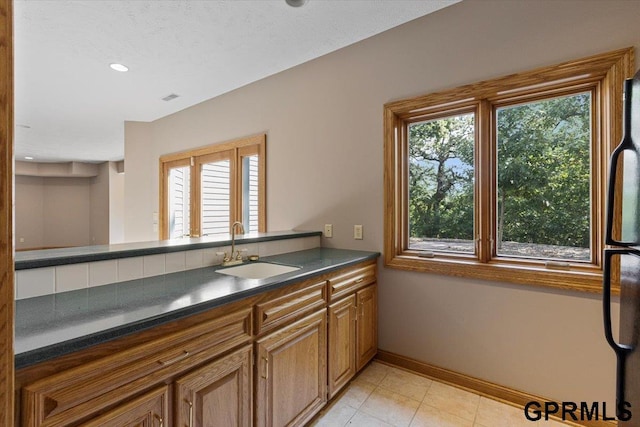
544 203
441 183
505 179
204 191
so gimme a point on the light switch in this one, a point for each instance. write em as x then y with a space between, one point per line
328 230
357 232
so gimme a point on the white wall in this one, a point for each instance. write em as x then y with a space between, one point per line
325 165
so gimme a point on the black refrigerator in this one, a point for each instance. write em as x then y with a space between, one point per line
622 259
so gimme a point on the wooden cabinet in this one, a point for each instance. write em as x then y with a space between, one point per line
367 333
342 343
291 373
217 394
148 410
71 396
353 335
272 359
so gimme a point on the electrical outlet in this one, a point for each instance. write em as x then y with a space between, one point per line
357 232
328 230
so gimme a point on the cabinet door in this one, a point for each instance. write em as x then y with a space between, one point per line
217 394
342 343
367 341
292 373
148 410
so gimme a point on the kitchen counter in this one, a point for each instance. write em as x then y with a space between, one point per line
63 256
53 325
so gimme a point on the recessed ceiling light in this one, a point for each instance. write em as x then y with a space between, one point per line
119 67
296 3
28 158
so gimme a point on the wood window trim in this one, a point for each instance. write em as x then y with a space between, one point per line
165 167
232 150
260 151
606 71
7 392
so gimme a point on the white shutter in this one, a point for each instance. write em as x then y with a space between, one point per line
179 198
215 197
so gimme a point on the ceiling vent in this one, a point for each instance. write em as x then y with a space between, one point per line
170 97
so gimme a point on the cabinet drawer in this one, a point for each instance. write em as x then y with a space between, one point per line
351 281
281 309
68 397
151 409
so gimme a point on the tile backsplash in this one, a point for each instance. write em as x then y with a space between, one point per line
35 282
48 280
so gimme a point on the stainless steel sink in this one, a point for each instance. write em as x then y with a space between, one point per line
257 270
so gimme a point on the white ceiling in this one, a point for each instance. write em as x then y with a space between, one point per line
69 105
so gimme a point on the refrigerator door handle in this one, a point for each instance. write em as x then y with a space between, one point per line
621 350
625 144
611 193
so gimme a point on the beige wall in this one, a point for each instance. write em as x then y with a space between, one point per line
325 165
28 212
116 204
141 196
69 211
99 206
52 212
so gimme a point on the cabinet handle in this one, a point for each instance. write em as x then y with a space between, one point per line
184 355
190 412
360 280
266 369
160 420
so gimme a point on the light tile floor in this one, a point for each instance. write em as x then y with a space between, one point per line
386 396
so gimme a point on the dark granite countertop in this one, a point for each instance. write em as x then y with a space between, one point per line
53 325
62 256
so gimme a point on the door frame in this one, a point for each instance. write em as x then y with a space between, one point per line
6 214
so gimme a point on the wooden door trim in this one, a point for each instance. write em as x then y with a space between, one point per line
165 167
6 214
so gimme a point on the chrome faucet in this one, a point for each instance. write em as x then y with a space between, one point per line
234 258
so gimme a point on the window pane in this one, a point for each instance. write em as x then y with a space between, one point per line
543 198
441 182
179 198
250 193
215 198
